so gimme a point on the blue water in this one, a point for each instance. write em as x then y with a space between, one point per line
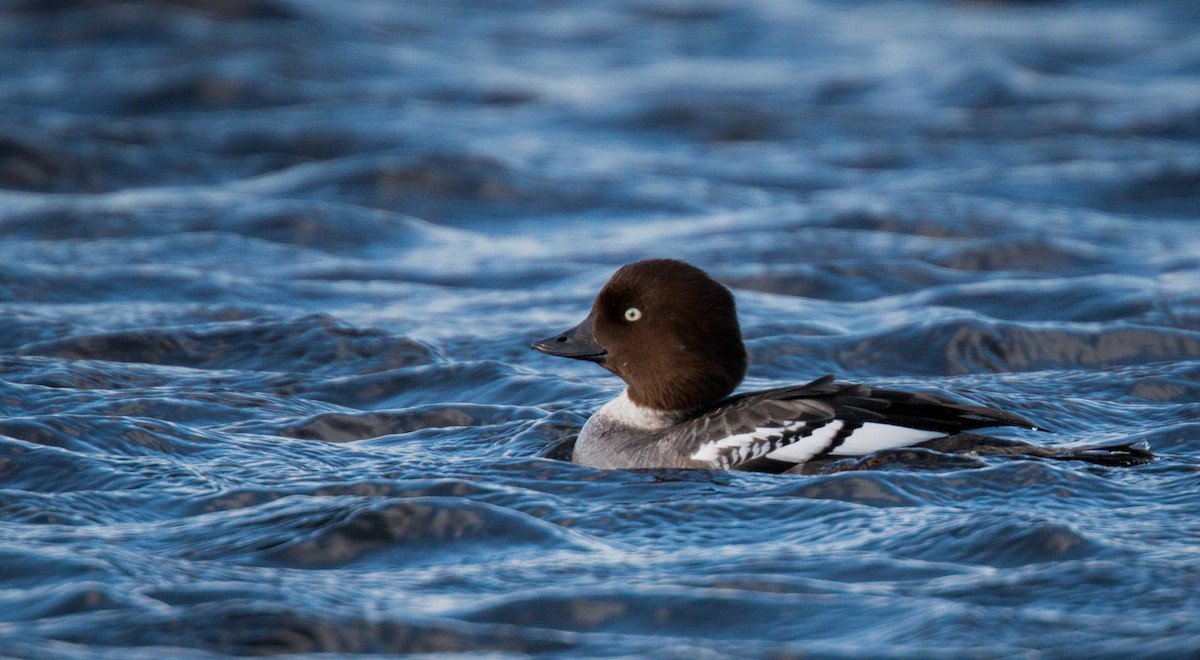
269 271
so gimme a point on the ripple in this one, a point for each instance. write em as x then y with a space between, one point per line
94 434
273 629
484 381
997 541
315 343
941 345
339 427
416 528
328 530
65 600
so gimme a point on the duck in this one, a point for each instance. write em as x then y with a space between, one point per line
671 333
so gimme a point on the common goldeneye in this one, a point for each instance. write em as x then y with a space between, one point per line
671 333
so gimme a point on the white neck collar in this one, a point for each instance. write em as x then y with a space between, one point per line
622 410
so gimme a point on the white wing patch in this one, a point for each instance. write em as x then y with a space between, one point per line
810 445
873 436
796 443
735 449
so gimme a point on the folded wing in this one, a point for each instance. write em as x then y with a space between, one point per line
792 425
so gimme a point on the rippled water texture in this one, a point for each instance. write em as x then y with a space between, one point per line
269 271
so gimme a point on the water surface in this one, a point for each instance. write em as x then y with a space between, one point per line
269 272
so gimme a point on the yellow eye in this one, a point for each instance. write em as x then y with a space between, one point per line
633 314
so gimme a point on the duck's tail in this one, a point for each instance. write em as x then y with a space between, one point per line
1119 454
1125 454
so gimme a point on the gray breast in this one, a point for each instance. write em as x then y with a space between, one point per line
606 444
